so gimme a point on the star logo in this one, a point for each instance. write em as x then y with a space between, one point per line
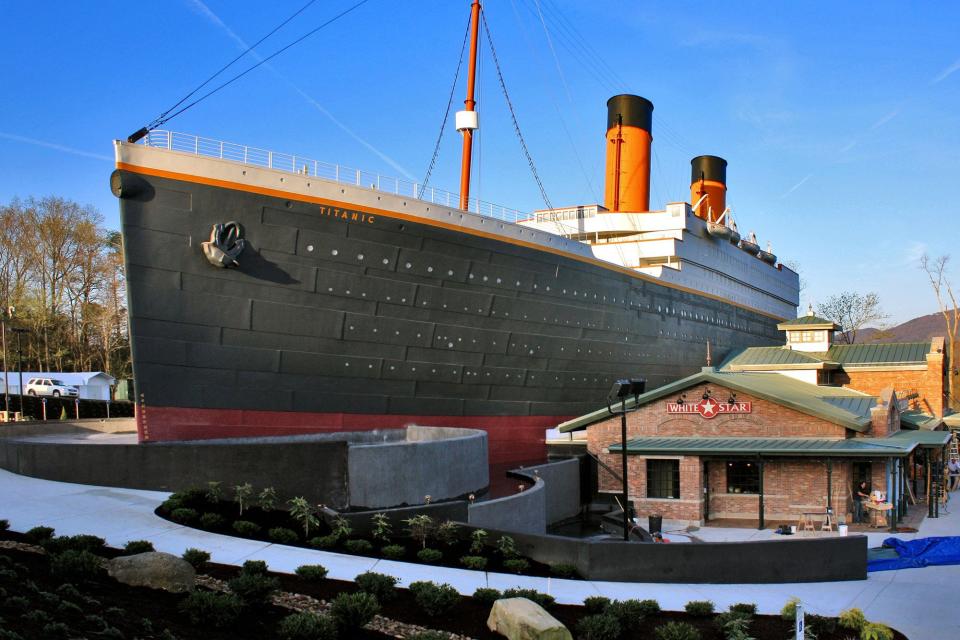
708 408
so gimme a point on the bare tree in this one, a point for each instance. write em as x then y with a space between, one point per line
936 270
852 311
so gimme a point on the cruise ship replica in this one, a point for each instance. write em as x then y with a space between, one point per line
271 294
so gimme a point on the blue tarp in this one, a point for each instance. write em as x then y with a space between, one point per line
918 553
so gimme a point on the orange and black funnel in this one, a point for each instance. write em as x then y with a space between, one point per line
708 177
629 134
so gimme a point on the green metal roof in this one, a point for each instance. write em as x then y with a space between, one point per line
875 447
822 402
871 355
921 438
915 419
806 322
839 355
771 356
952 420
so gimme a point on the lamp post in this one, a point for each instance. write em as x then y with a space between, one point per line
20 331
7 315
621 390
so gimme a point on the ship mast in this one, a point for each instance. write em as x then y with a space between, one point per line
467 120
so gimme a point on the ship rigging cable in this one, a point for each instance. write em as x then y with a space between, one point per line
513 116
446 115
165 118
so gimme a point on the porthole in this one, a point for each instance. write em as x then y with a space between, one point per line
334 252
360 256
310 248
386 261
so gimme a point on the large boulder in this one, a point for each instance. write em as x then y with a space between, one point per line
522 619
155 570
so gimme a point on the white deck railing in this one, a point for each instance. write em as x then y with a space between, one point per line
302 165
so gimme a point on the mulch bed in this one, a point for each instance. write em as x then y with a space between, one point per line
125 608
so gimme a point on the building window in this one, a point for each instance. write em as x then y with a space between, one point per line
743 477
663 478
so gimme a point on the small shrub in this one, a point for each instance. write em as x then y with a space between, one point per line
742 607
429 556
137 546
183 515
564 570
852 619
379 585
57 631
596 604
354 610
542 599
358 546
507 547
192 497
876 631
5 634
649 607
246 528
242 494
197 558
267 499
325 542
214 609
171 504
516 565
820 625
789 611
4 524
254 567
478 541
736 626
48 599
96 621
214 492
394 551
477 563
74 543
341 527
67 590
629 613
312 572
303 514
448 533
382 529
211 521
420 528
283 535
17 603
72 565
37 617
676 631
434 599
486 596
112 633
598 627
254 589
307 626
700 608
67 608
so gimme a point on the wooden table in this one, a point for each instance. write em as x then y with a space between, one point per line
877 511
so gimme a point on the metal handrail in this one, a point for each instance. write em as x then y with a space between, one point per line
210 148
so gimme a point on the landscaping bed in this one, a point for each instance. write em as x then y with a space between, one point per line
35 603
420 539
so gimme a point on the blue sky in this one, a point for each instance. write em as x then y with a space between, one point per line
839 121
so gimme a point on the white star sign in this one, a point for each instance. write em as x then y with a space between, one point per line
708 408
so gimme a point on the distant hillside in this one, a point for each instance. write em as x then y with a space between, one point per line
916 330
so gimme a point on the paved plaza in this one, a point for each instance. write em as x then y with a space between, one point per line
919 602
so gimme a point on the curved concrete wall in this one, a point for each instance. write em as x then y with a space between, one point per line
525 511
562 483
440 462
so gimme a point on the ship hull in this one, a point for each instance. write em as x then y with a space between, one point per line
346 317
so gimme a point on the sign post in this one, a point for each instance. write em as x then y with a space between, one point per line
44 401
799 623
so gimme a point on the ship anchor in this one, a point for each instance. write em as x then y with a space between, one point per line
225 245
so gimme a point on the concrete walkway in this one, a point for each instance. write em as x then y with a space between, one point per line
922 603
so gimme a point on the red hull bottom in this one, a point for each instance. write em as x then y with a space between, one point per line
510 438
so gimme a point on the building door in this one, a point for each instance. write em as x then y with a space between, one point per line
706 492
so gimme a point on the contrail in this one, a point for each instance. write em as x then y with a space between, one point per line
215 19
943 75
885 119
54 146
795 187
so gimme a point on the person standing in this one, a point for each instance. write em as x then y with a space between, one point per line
861 494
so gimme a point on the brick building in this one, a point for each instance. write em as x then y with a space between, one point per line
776 432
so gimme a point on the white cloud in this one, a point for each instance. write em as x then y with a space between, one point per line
943 75
55 147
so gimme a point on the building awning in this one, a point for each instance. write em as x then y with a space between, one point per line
922 438
952 420
914 419
780 447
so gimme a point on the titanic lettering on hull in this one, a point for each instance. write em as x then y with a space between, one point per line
709 408
346 215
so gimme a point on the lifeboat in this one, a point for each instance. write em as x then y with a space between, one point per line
749 244
768 256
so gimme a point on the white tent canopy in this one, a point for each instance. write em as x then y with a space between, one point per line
92 385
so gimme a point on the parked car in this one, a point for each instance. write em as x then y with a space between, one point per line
50 387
